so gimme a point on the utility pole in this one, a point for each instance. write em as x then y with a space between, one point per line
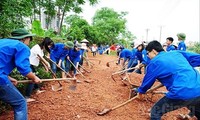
147 30
160 33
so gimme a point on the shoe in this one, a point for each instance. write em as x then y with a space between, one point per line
39 91
30 100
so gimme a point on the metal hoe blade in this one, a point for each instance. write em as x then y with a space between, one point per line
56 87
103 112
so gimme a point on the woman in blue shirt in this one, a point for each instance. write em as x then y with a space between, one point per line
58 53
175 71
74 57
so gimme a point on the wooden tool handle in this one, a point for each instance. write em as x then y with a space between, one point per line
47 80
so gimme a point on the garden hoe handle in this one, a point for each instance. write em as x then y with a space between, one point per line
105 111
47 80
118 72
76 68
54 75
59 67
149 91
84 68
88 60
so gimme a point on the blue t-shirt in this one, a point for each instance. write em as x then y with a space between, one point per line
75 55
145 58
58 52
13 53
126 54
175 71
170 48
182 46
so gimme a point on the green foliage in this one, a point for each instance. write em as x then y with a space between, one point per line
37 28
109 25
50 33
197 48
12 13
77 27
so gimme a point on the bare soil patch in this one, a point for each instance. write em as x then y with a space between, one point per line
90 98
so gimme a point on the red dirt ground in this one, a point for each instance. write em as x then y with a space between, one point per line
90 98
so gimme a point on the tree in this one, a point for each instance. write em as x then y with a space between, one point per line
77 27
109 25
70 5
12 14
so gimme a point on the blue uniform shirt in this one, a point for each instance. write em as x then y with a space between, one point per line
181 46
170 48
75 55
13 53
145 58
126 54
58 52
174 70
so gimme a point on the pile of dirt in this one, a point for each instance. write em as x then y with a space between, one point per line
91 98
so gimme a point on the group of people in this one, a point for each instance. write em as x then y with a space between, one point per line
15 53
172 67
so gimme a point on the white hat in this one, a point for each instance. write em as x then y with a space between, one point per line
78 45
84 41
137 43
83 46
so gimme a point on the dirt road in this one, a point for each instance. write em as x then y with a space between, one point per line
90 98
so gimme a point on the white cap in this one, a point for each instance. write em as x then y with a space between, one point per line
137 43
84 41
83 46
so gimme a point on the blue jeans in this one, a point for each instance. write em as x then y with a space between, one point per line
31 86
165 105
10 95
67 67
29 89
54 67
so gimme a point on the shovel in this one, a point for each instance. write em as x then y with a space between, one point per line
54 87
106 110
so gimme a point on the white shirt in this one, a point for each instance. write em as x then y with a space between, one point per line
35 50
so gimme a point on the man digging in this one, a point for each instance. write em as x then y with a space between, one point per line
175 71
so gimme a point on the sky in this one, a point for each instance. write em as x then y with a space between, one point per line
155 19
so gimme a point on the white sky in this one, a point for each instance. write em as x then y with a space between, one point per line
173 15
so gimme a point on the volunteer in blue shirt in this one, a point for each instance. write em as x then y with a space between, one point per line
181 39
175 71
58 53
170 46
74 57
14 52
124 56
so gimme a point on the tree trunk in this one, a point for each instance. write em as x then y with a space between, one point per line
63 14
